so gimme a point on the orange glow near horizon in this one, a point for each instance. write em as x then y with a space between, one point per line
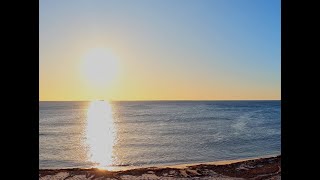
97 71
100 134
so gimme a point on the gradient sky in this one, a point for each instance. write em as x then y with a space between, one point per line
166 49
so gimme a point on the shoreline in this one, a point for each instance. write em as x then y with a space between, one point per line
220 162
263 167
179 165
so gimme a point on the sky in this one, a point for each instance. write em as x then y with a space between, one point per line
163 49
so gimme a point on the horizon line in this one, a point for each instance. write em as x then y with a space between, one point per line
165 100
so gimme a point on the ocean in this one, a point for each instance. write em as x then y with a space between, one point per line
152 133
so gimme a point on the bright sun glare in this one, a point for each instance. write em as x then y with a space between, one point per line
100 133
99 67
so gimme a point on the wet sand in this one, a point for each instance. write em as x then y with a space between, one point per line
256 168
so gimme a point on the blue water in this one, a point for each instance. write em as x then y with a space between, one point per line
163 132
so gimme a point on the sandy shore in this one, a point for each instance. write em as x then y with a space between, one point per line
255 168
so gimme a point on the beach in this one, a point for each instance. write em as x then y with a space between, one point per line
256 168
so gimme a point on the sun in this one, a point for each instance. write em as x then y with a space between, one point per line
99 67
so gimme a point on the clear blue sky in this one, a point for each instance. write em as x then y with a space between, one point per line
202 49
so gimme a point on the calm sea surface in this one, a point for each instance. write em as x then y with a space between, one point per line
99 133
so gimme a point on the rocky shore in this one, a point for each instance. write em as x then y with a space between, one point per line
255 169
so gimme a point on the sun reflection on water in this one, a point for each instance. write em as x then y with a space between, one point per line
100 134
